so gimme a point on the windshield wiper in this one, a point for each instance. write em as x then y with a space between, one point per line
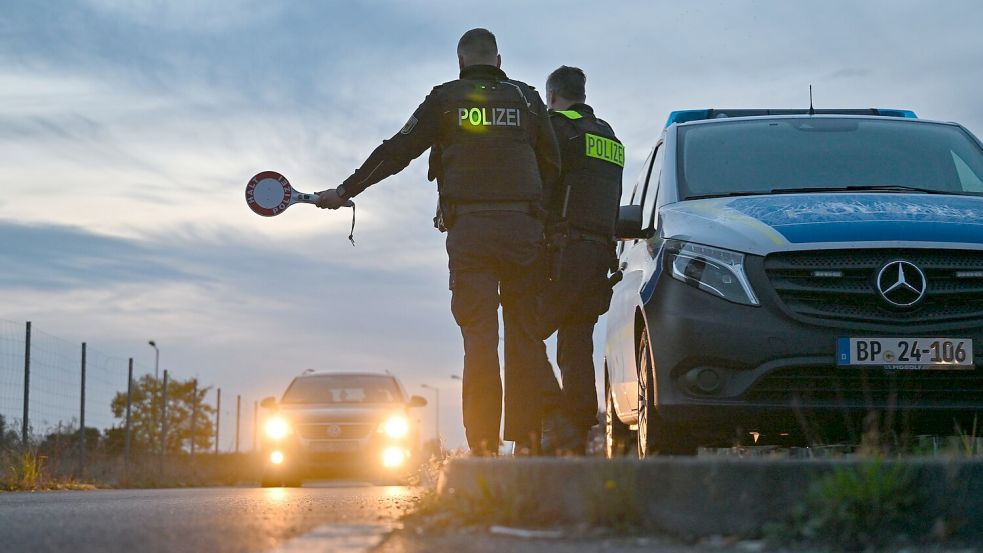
851 188
727 195
860 188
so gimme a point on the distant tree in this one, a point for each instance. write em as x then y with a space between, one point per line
115 439
145 416
8 436
67 438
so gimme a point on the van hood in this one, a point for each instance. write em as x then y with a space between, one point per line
761 225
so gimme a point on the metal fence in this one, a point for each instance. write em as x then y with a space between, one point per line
50 388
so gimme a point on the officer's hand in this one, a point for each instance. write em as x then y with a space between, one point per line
329 199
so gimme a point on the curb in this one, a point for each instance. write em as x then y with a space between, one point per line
691 497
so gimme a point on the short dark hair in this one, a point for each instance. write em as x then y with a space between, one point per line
568 82
478 44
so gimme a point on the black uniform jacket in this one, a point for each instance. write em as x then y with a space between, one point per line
423 131
589 188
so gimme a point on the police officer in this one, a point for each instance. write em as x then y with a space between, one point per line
495 159
582 217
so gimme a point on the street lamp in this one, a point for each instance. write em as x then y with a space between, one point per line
153 396
153 344
436 418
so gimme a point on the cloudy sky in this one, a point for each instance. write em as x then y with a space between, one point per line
128 129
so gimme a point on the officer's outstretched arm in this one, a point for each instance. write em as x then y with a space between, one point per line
393 155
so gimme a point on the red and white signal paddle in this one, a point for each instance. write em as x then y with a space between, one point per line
269 194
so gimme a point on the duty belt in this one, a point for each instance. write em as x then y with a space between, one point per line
479 207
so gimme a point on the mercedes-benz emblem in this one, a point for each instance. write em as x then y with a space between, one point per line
334 431
901 283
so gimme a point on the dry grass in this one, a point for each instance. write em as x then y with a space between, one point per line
28 470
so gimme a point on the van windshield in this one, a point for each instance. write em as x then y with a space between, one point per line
818 154
343 389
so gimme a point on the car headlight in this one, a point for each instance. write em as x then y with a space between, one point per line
393 457
715 271
396 426
277 428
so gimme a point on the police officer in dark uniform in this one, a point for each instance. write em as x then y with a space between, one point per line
582 217
495 159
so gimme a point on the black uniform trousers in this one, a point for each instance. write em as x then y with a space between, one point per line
579 294
495 258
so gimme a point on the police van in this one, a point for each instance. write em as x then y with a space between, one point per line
789 273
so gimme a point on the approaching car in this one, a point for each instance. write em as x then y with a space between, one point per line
331 422
787 273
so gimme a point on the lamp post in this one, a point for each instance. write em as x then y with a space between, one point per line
153 399
436 418
153 344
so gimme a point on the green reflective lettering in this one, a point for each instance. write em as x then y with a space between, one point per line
605 149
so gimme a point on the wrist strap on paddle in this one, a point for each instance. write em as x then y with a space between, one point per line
351 234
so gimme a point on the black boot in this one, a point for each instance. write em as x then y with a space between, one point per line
562 437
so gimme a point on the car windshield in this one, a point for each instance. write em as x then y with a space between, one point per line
342 389
820 154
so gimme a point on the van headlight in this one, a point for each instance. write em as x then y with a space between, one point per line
396 426
277 428
713 270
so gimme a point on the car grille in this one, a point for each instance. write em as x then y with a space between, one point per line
853 296
345 431
873 387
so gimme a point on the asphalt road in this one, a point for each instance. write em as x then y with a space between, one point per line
188 520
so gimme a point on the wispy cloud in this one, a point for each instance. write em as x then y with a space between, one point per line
56 258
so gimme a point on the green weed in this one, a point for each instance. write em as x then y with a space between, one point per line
855 507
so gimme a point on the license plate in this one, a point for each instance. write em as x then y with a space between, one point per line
906 353
335 446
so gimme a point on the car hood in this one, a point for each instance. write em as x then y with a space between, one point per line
764 224
303 414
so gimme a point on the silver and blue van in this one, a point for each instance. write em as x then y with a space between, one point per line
797 276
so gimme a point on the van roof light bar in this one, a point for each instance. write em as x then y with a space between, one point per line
687 115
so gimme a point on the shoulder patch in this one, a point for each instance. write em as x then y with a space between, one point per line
569 114
409 126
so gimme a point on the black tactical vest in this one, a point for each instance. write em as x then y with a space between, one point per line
593 163
485 147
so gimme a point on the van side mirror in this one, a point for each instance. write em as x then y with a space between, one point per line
417 401
629 225
268 403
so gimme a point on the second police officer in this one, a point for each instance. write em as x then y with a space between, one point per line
495 159
582 215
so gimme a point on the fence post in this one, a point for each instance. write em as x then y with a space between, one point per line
129 403
163 424
27 385
238 413
194 415
218 418
255 424
82 419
